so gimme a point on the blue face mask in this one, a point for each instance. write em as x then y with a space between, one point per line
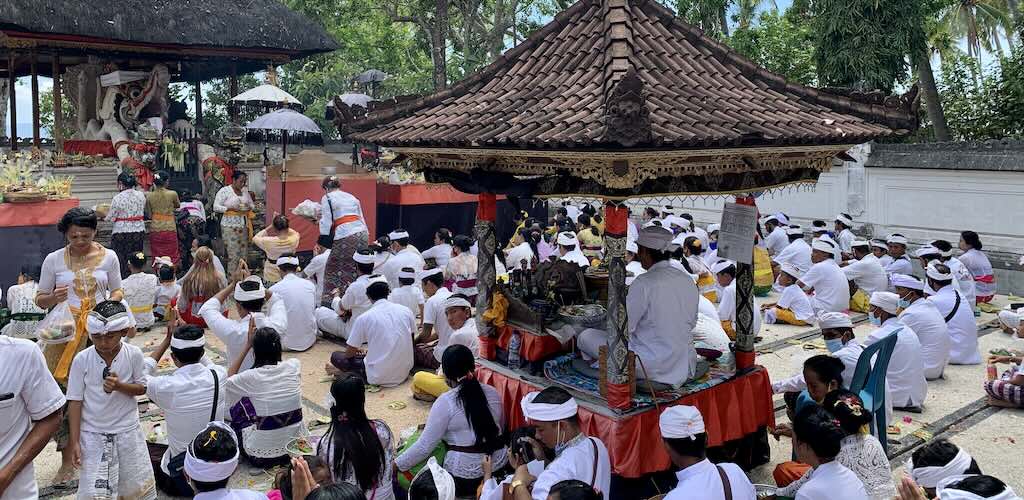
833 345
903 303
875 320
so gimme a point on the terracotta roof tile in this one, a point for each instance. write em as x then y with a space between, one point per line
552 89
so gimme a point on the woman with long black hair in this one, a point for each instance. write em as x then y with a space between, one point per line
467 418
357 450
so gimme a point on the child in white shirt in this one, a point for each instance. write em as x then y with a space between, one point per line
168 291
793 307
140 290
106 440
408 294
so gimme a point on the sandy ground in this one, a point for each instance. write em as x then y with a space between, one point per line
993 436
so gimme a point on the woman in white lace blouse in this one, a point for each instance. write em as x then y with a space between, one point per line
859 451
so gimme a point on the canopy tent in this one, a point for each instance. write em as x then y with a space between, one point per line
618 99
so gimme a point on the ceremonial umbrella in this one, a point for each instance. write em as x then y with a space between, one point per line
355 99
286 120
268 94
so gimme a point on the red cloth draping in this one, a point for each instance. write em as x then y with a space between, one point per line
92 148
616 220
731 410
43 213
487 207
533 347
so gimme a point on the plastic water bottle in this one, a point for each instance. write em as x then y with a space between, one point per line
513 349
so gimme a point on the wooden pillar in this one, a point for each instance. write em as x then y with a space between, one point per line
199 104
745 306
618 390
58 116
12 80
233 91
35 101
487 245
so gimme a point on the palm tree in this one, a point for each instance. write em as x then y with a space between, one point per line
977 22
747 11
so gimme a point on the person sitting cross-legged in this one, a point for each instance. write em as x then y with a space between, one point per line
793 307
459 315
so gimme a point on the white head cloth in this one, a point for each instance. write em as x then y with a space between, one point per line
897 239
1009 318
771 218
791 270
377 278
653 223
675 220
187 344
655 238
860 243
567 239
904 281
713 227
929 477
934 273
782 218
795 231
444 483
398 235
721 265
927 250
367 258
430 272
293 260
211 472
879 244
455 301
162 261
888 301
547 412
681 422
632 248
834 320
819 229
410 274
944 492
242 295
845 219
947 253
96 324
823 245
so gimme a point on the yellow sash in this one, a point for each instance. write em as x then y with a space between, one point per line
248 214
142 309
60 372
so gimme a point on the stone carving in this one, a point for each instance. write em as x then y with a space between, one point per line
627 119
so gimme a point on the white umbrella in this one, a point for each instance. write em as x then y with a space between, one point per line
286 120
266 93
355 99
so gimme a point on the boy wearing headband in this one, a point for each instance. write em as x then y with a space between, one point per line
106 440
211 459
250 296
405 255
408 294
685 440
845 237
433 338
554 412
938 461
299 297
865 274
900 264
825 279
187 398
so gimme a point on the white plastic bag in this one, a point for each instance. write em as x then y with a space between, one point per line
308 209
58 327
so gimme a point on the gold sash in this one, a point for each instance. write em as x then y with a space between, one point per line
248 214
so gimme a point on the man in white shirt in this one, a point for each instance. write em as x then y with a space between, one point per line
187 396
793 307
865 274
403 256
387 330
777 240
921 316
962 278
897 251
433 337
316 268
408 294
797 252
957 313
337 320
725 273
880 249
837 330
555 414
299 297
250 296
826 280
685 439
662 311
459 315
633 265
844 235
31 402
569 250
905 374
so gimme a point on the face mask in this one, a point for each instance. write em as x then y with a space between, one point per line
833 345
875 320
903 303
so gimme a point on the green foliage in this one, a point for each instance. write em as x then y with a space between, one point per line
46 114
708 15
864 44
990 109
782 43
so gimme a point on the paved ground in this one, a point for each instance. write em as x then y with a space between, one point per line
954 408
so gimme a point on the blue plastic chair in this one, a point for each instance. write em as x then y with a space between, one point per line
869 383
